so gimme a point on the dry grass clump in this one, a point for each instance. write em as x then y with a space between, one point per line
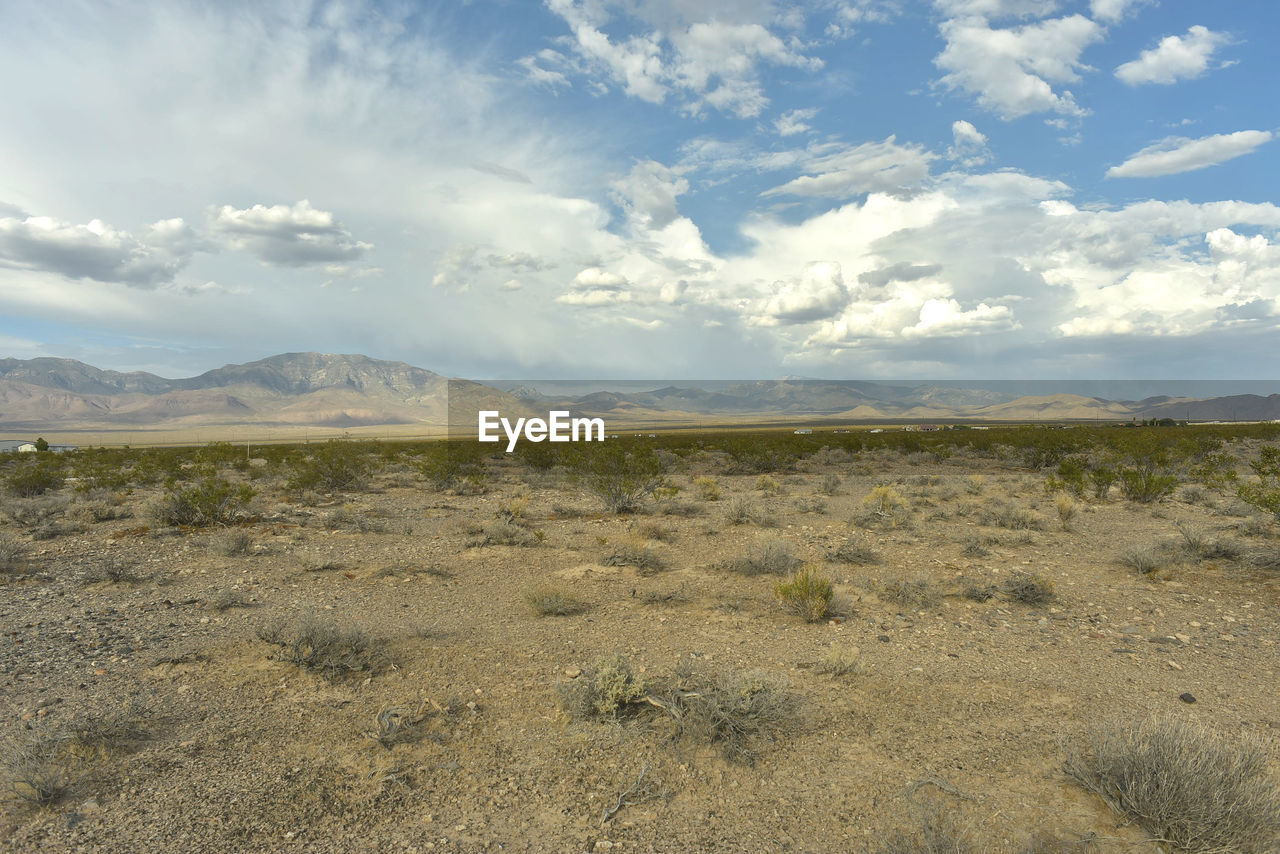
643 558
326 648
1006 514
1067 509
883 507
830 484
501 532
768 486
225 600
11 554
548 601
113 570
707 488
1028 588
651 529
231 543
107 731
764 557
730 711
606 690
742 511
1190 786
913 593
976 591
936 832
842 661
1266 559
1199 546
33 764
855 553
807 594
1145 560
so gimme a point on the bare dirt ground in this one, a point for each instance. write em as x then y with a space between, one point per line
958 704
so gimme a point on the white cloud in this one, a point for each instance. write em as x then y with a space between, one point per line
648 194
868 168
997 8
1012 71
714 62
1175 58
286 235
1112 11
97 251
1178 154
969 148
817 293
793 122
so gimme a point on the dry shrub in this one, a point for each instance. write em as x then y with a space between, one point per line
842 661
231 543
11 554
856 553
501 532
33 764
326 648
1067 509
643 558
707 487
913 593
548 601
1188 785
742 511
764 557
1028 588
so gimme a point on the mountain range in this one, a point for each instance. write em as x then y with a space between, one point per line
304 390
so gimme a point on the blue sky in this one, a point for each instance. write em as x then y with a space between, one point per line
1001 189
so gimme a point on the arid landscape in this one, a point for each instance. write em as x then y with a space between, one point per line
381 646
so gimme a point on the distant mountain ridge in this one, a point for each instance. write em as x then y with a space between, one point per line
349 391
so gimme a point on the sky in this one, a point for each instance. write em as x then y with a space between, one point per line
729 189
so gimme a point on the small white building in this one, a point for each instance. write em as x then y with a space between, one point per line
17 446
804 431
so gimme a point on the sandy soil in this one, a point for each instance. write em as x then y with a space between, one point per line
962 704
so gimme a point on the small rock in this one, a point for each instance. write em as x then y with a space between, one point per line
1173 664
1187 697
883 638
572 672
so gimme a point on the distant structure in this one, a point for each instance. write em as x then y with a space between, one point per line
804 431
23 446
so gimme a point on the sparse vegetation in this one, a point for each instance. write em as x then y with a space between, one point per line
708 489
855 553
549 601
621 474
742 510
1189 786
209 500
33 764
11 554
1028 588
643 558
606 690
912 593
325 647
764 557
807 594
231 543
842 661
1144 560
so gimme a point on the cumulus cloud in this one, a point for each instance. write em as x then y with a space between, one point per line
96 250
1175 58
711 63
793 122
969 148
1112 11
286 235
998 8
648 194
868 168
903 271
817 293
1012 71
1174 155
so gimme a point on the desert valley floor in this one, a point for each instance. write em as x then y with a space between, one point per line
934 693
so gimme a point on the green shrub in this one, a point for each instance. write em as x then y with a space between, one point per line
1265 493
34 476
605 690
209 500
621 475
334 466
1102 479
1146 486
806 594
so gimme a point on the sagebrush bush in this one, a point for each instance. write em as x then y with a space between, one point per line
549 601
643 558
730 711
1028 588
842 661
325 647
1188 785
855 553
742 510
606 690
914 593
231 543
764 557
1145 559
807 594
501 533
